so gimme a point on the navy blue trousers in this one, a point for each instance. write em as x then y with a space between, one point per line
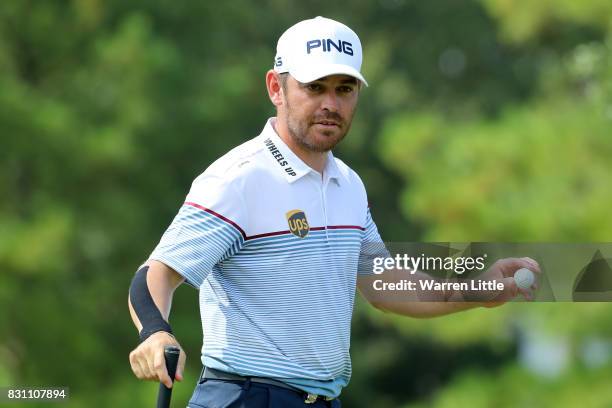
247 394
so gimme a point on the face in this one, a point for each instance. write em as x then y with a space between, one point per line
319 113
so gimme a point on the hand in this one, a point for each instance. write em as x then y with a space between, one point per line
148 363
503 271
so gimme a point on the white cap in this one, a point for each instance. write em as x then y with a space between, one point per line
315 48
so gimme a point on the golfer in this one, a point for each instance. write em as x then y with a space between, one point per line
274 235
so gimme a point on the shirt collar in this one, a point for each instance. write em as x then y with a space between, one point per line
287 162
331 171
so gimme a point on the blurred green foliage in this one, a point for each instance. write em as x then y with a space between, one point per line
484 120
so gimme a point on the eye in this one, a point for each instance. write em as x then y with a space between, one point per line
345 89
314 87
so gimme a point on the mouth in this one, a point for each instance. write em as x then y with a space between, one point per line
328 123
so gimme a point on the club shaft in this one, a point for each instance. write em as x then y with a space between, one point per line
171 355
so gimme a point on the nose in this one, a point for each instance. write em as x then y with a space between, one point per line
330 101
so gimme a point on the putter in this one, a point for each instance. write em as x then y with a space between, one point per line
171 355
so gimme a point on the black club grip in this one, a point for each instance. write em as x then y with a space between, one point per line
171 354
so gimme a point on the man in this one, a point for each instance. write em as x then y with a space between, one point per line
274 234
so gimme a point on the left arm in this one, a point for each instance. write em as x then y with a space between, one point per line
424 304
438 304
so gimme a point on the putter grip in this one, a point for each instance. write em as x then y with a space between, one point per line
171 354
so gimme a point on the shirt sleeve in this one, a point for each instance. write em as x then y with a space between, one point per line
372 246
205 231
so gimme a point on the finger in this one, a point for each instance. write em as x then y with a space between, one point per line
151 364
534 266
181 366
508 266
159 366
139 365
135 366
497 298
510 288
145 359
147 368
142 369
527 294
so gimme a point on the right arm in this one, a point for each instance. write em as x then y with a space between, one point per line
197 239
147 360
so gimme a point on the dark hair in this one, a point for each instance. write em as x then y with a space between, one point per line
283 81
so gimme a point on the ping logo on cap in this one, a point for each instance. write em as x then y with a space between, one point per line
327 44
298 225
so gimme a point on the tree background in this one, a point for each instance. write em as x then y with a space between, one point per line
485 120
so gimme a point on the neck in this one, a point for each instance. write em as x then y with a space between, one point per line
315 160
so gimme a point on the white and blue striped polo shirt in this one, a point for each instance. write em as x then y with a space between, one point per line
273 247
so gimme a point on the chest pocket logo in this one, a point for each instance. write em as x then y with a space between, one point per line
298 225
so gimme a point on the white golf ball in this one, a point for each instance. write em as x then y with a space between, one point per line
524 278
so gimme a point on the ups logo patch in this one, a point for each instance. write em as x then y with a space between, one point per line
298 225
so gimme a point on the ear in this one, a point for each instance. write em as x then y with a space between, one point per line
275 90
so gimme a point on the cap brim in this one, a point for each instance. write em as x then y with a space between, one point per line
309 74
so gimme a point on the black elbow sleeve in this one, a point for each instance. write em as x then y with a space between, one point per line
149 315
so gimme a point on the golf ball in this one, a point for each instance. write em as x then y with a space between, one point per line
524 278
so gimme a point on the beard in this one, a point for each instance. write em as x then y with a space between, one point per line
299 130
